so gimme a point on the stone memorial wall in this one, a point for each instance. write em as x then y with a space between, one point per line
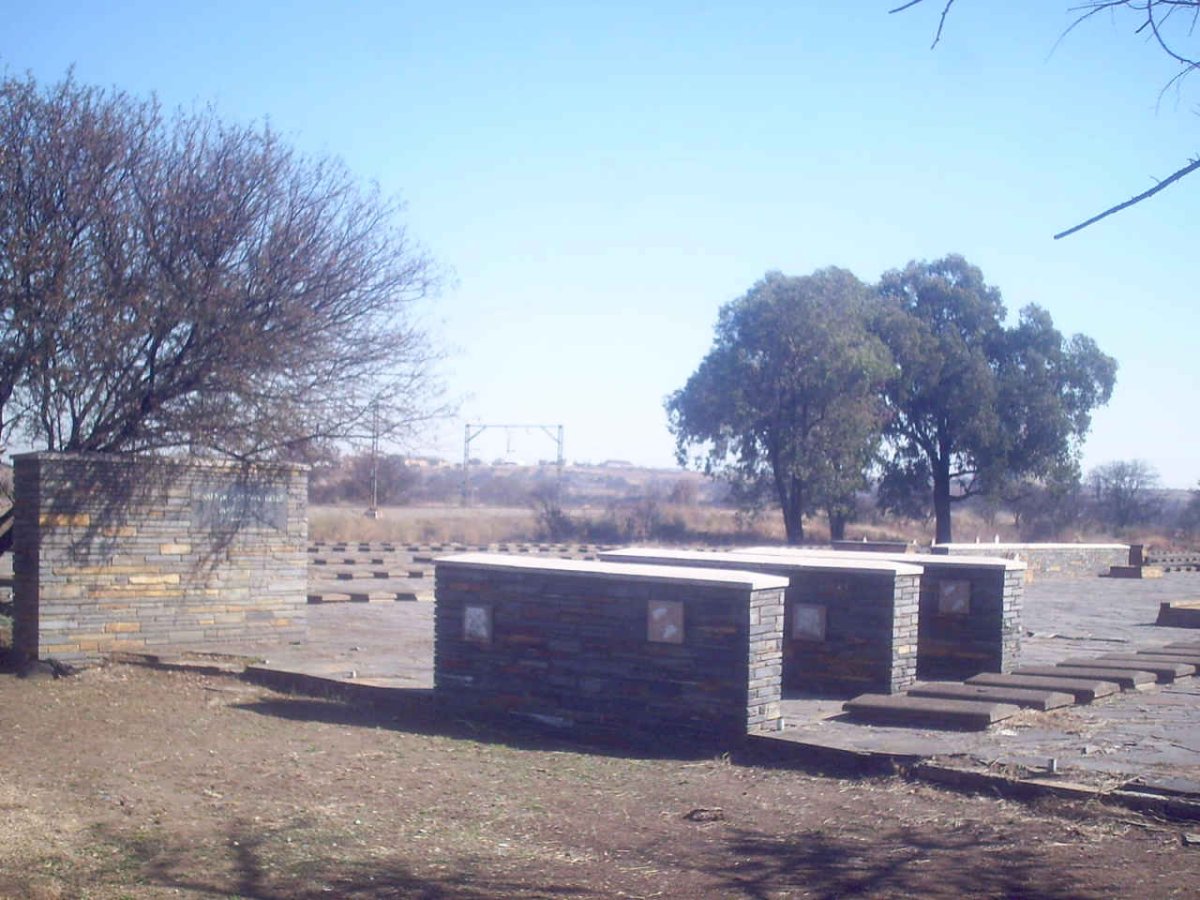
126 553
850 623
969 618
1049 560
618 653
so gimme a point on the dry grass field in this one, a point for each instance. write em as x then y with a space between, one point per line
482 525
421 524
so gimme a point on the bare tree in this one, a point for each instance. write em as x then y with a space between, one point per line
1125 492
1171 24
177 282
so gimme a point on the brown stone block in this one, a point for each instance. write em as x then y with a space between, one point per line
125 644
120 531
51 649
64 520
174 549
52 593
167 578
102 570
122 627
134 592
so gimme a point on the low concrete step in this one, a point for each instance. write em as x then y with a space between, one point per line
1026 698
1178 656
372 596
1085 690
1135 572
1165 672
927 712
329 597
1179 614
1126 679
1193 646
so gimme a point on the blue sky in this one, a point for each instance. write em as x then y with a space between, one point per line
601 178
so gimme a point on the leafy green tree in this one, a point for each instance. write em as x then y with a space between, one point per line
974 404
787 402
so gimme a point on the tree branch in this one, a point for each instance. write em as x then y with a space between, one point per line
1175 176
941 22
1155 19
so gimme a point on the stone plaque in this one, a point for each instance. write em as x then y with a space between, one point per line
477 623
808 622
954 598
233 506
664 621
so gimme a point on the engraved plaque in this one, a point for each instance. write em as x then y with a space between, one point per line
954 598
477 623
232 507
808 622
664 621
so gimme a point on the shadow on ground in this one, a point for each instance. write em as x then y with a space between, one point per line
300 861
417 714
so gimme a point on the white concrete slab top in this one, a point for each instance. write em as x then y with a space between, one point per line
1003 547
826 562
915 559
754 581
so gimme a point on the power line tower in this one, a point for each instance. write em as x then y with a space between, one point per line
373 512
554 432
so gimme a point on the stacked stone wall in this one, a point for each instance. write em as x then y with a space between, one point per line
571 650
870 641
970 619
859 628
115 553
1049 560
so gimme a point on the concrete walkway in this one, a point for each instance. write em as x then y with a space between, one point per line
1151 735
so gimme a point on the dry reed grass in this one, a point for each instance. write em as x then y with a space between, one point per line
481 526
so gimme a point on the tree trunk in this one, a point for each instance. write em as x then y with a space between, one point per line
793 516
941 499
837 526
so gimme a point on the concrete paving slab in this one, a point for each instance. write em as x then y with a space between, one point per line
930 712
1026 698
1084 690
1191 659
1164 672
1126 679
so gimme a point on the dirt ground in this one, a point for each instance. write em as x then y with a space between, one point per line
129 782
